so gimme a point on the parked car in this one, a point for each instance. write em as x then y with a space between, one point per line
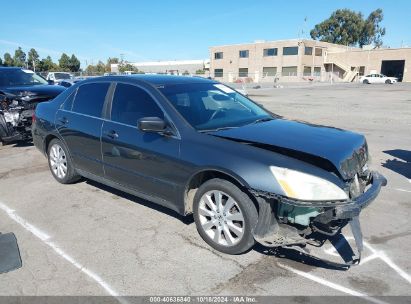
69 82
197 146
378 78
20 91
57 77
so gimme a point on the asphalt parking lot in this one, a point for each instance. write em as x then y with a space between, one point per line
87 239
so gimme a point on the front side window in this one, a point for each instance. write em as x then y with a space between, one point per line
130 103
292 50
270 52
210 106
244 54
218 55
90 98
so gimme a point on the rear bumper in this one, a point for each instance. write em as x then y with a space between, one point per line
275 227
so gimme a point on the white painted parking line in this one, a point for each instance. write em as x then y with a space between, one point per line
45 238
331 284
402 190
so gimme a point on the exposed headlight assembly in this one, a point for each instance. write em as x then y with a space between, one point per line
303 186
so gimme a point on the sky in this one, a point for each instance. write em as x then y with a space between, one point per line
154 30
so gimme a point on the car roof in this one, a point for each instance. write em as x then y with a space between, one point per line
11 68
153 79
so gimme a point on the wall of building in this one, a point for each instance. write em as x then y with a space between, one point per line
308 67
371 60
177 67
256 61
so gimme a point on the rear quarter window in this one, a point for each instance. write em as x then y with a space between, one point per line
90 98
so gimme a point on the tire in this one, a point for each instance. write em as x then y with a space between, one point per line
59 157
365 81
229 230
388 81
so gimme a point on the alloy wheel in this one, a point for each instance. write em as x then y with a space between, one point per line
58 161
221 218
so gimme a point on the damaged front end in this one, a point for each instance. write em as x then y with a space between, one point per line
16 113
289 222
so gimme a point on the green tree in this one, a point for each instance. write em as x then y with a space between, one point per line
47 64
74 64
200 72
99 68
19 58
372 31
1 62
123 67
111 61
348 27
33 59
8 60
64 62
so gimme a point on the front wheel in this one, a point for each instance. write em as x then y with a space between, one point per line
225 216
365 81
60 163
388 81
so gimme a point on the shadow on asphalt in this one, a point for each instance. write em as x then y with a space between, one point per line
299 257
400 165
185 219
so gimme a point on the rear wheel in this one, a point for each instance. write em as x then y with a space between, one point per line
225 216
365 81
60 163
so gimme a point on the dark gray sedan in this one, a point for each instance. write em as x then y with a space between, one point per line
199 147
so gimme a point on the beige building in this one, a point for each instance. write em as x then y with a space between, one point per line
305 60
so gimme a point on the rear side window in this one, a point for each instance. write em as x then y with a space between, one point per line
90 98
68 104
130 103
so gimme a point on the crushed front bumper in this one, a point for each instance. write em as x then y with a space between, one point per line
286 222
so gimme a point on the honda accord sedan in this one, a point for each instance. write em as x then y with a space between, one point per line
199 147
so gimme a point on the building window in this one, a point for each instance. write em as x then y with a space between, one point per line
308 50
218 72
307 71
361 72
218 55
289 71
243 72
317 71
270 52
318 52
244 54
290 50
269 71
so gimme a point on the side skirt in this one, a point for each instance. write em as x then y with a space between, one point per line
142 195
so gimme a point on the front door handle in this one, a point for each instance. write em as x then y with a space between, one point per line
112 134
63 120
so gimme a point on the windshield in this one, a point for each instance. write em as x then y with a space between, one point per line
10 78
62 75
213 106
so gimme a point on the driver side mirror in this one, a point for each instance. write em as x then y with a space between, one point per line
151 124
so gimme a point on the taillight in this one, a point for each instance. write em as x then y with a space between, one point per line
33 118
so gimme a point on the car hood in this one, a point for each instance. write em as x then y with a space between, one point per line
36 92
332 149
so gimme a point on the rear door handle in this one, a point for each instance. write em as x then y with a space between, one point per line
112 134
